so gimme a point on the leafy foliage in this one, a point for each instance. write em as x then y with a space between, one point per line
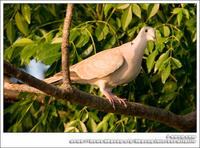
167 79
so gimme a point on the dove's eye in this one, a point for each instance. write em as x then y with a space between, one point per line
146 30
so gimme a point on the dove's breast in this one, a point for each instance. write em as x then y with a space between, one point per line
130 68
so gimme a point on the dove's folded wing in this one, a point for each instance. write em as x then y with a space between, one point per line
99 65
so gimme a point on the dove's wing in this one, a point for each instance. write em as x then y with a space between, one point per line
99 65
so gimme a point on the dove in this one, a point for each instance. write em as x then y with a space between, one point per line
112 67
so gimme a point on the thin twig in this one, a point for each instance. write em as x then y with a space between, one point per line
65 46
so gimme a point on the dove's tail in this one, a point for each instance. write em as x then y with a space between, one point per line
58 77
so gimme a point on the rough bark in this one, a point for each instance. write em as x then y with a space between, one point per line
65 46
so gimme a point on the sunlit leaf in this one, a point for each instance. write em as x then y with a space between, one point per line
8 53
166 31
136 10
176 63
186 12
26 12
74 33
71 129
82 40
82 127
48 53
165 73
87 51
72 123
119 24
105 127
176 10
22 42
56 40
101 31
91 124
151 60
126 18
100 126
160 47
160 61
21 24
144 6
122 6
28 52
153 10
179 17
106 9
150 46
110 42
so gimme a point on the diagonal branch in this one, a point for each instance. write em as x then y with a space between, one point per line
179 122
65 45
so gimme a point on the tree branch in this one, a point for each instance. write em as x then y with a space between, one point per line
65 45
179 122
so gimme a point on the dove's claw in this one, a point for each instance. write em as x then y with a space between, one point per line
121 101
112 98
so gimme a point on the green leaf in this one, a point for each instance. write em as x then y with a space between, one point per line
82 128
28 52
21 24
105 127
176 63
179 17
122 6
83 39
186 12
26 12
48 53
144 6
118 21
22 42
87 51
153 10
160 61
56 40
74 33
52 9
169 86
100 126
70 124
166 31
179 35
110 42
136 10
167 97
150 46
106 9
8 53
10 31
71 129
165 73
92 125
151 60
126 18
176 10
160 47
101 31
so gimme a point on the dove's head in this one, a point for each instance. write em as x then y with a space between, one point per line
148 33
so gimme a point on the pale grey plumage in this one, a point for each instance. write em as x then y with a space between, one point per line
111 67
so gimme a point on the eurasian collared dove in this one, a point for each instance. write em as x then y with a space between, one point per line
112 67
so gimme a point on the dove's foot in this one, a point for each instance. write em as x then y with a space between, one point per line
112 98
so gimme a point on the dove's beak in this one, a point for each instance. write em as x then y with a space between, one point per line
153 38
